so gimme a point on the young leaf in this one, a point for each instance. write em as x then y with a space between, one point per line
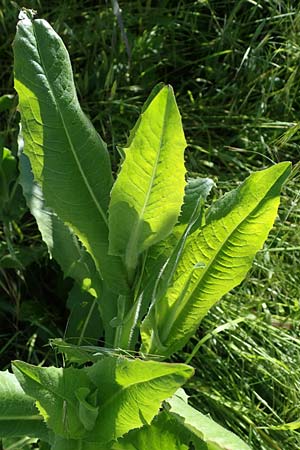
68 158
202 427
215 260
196 190
18 413
149 190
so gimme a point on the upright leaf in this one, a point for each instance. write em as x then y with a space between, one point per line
72 257
62 244
148 194
68 158
215 260
196 191
18 413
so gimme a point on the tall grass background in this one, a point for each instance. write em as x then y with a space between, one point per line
234 66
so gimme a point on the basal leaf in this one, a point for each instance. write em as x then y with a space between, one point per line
215 259
18 413
203 428
163 434
102 402
55 391
72 257
148 194
68 158
131 392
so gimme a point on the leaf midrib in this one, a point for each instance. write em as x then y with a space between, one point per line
206 272
134 384
7 418
138 222
86 182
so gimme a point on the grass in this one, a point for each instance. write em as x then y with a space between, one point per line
234 67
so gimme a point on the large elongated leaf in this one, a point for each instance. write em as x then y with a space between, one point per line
201 427
149 190
62 244
72 257
215 259
68 158
102 402
18 413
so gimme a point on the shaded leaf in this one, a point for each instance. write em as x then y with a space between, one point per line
84 320
7 101
18 413
62 244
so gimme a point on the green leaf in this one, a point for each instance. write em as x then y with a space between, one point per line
62 244
79 444
12 205
7 101
18 413
68 158
163 434
163 257
72 257
196 190
131 392
202 427
215 259
119 395
8 174
55 391
149 190
84 320
87 412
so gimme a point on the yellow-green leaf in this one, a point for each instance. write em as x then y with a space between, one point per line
147 196
215 259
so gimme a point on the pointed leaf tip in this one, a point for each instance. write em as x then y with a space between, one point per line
147 194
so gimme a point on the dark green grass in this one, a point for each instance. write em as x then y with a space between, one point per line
234 66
